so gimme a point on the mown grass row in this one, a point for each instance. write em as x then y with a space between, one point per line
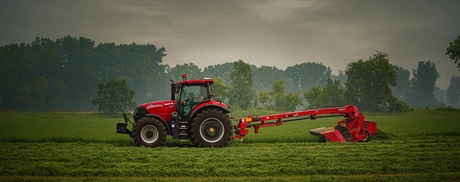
437 157
88 127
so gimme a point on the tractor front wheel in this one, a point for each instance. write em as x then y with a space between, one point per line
211 128
149 132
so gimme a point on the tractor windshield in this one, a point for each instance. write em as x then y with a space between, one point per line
192 95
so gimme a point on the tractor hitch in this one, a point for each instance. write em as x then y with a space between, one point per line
121 126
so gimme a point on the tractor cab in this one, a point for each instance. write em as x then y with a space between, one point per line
189 94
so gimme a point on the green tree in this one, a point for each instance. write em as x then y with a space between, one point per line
143 71
368 84
440 96
139 65
331 95
221 71
265 76
453 92
341 76
220 90
114 97
306 75
241 92
192 71
402 88
423 85
277 99
23 82
453 51
264 100
78 71
48 66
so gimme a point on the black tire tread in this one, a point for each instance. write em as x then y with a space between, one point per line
137 127
203 115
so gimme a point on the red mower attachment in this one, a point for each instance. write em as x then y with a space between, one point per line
352 128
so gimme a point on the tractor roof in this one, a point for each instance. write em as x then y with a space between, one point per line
196 82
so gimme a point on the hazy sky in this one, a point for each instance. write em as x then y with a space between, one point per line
277 33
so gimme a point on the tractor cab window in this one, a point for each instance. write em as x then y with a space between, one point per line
192 95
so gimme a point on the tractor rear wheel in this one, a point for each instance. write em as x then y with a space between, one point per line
211 128
149 132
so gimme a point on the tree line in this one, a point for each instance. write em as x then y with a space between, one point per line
63 75
374 85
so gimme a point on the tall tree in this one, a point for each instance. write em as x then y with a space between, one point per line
114 97
192 71
440 96
277 99
453 51
453 92
48 66
265 76
220 90
341 76
139 65
22 81
221 71
331 95
144 72
422 85
78 71
306 75
241 92
369 82
402 88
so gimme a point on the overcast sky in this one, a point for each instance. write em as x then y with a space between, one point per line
277 33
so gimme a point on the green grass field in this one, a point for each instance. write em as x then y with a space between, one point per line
85 147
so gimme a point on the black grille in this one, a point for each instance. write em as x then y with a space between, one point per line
139 113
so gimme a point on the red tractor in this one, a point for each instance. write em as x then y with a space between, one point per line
191 114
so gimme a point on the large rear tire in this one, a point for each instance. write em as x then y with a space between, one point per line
149 132
211 128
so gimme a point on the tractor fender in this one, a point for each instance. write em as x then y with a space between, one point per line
197 109
168 129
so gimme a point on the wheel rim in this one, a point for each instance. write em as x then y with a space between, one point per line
149 134
365 134
212 130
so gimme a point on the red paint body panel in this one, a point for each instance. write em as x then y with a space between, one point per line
209 103
334 136
196 82
162 108
371 126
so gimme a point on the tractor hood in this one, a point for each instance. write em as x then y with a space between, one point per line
150 106
161 109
